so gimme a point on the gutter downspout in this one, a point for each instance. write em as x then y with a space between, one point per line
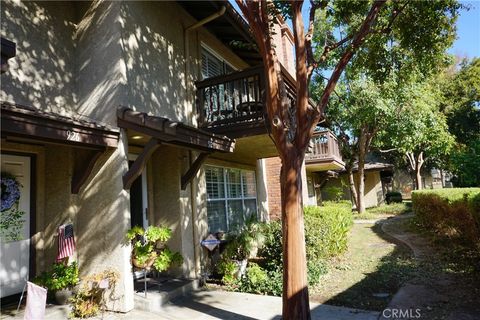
186 38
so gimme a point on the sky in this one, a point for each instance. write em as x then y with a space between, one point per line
468 31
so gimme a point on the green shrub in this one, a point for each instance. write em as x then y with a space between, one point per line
60 277
326 229
260 281
272 247
315 269
334 193
393 196
453 214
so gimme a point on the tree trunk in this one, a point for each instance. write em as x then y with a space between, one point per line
418 180
351 183
362 144
418 166
295 284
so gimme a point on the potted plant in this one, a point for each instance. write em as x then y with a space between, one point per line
149 248
242 244
59 281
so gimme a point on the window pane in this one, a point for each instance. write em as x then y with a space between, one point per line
216 216
249 185
250 207
215 183
235 214
211 66
234 187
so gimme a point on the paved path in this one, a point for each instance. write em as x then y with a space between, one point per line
215 304
431 295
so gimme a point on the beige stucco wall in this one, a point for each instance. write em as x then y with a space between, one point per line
42 73
262 192
373 188
171 206
100 219
84 60
311 197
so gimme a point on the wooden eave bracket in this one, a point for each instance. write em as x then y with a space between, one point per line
193 170
83 169
139 164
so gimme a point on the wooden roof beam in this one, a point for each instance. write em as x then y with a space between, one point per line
139 164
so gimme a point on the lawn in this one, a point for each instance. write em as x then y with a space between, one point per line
368 274
384 211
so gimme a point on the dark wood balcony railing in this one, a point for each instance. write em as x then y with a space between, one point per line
236 100
324 146
233 98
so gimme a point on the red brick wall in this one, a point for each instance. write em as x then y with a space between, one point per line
272 169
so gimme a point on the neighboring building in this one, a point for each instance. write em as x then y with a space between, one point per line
378 181
117 114
320 164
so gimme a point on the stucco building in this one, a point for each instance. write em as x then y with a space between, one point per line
117 114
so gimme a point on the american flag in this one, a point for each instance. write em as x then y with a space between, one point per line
66 242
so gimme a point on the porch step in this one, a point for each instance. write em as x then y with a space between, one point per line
161 291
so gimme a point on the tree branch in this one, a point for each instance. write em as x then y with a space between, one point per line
358 39
388 150
396 13
312 63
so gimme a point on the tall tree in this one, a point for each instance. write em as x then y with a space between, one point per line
461 105
419 130
360 109
422 29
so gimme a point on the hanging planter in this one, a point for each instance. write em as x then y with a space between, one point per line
150 250
11 218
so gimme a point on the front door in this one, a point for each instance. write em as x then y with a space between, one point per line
14 255
138 201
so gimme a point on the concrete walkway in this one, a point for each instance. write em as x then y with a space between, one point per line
215 304
429 295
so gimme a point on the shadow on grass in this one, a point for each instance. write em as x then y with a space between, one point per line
376 290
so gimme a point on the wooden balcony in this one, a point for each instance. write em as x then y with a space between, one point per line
324 153
234 104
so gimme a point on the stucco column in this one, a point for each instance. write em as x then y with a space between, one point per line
262 198
304 184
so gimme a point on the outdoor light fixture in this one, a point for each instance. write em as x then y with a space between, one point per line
137 137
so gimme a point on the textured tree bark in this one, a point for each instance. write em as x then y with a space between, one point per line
292 150
362 147
418 171
351 183
416 163
295 286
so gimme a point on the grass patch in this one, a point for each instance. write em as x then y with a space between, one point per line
368 274
384 211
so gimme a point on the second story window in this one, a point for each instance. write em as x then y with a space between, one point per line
213 66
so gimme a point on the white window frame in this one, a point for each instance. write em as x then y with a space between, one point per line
204 46
225 199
